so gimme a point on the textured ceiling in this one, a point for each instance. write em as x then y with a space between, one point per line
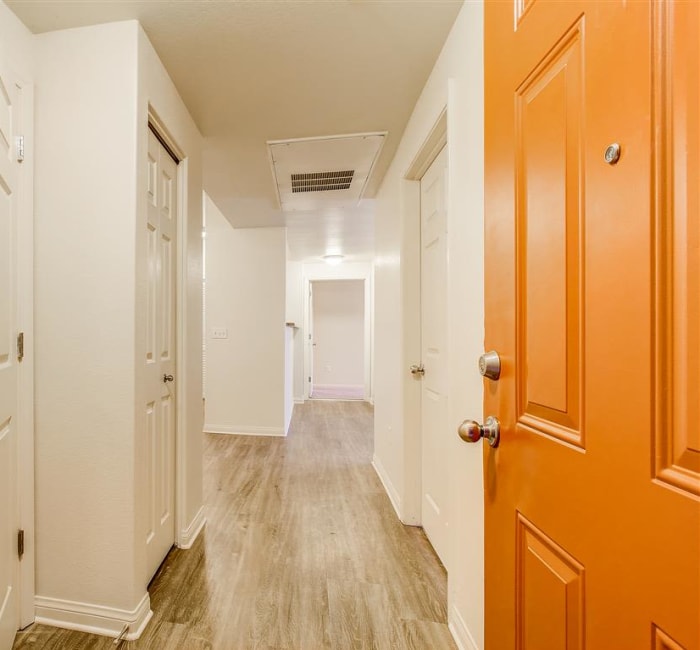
257 70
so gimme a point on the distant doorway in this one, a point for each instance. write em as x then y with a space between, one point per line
337 309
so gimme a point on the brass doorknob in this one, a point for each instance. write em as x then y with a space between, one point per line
417 370
167 378
472 431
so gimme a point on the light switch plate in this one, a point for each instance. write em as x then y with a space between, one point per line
219 333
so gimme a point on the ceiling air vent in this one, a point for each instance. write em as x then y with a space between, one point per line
323 173
322 181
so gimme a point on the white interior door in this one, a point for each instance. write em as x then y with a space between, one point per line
160 351
434 354
9 376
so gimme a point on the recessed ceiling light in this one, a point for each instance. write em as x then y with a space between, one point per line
333 259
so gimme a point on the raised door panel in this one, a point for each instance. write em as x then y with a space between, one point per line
168 214
150 463
676 455
549 222
166 461
662 641
550 597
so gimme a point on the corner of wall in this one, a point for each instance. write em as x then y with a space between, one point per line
93 619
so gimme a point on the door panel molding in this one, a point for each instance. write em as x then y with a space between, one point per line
676 160
550 598
550 288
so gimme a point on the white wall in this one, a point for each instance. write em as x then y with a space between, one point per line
85 313
97 82
456 82
338 335
246 288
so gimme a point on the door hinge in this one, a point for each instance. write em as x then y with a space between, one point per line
20 346
19 145
309 379
20 543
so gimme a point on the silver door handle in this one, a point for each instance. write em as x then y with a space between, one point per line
417 370
472 431
167 378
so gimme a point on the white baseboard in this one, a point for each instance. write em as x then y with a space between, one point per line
460 632
388 485
244 430
95 619
299 401
338 391
189 535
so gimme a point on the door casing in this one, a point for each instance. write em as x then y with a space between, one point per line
344 272
434 141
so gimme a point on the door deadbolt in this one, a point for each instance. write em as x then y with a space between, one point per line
490 365
612 153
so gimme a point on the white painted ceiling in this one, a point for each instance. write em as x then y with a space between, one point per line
251 71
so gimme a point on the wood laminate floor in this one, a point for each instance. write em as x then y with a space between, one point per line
302 550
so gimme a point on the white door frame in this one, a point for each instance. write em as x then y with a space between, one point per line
25 316
343 272
433 143
180 329
311 338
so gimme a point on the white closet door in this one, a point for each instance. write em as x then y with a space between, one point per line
161 230
9 376
435 430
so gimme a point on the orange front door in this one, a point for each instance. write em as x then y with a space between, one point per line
592 498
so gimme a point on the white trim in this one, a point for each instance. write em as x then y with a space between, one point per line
339 391
460 632
299 401
94 619
433 144
188 536
25 317
389 488
181 368
244 430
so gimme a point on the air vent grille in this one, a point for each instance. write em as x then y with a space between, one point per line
322 181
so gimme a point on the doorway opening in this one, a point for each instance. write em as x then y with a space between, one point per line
337 335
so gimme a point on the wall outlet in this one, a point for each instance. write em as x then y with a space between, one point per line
219 333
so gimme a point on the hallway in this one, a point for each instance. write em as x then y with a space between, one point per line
302 550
